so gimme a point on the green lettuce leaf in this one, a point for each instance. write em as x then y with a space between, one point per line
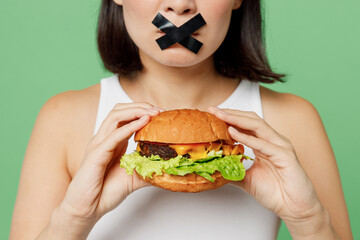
230 167
211 155
206 175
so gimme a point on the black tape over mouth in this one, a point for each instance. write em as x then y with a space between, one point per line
181 35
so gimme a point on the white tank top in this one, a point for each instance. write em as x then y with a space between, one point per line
153 213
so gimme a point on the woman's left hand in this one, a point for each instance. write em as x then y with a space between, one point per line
276 180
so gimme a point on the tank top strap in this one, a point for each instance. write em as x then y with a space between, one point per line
111 93
246 97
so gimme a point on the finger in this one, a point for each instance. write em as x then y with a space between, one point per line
124 133
111 142
244 184
146 105
256 125
214 109
116 117
255 143
252 115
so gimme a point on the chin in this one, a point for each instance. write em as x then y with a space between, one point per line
179 57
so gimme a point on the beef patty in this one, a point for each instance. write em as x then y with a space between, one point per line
164 151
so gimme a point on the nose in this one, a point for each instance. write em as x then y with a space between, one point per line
180 7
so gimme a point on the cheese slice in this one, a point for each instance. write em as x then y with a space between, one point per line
182 149
196 151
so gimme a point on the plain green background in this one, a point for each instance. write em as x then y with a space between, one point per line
47 47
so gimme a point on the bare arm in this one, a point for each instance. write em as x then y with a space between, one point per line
292 156
299 121
52 205
44 178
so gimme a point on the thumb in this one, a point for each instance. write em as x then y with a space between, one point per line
244 184
247 183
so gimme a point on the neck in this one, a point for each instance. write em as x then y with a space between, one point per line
169 87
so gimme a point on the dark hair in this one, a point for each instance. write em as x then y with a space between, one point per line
241 55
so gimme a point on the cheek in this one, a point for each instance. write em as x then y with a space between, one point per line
138 9
138 15
218 15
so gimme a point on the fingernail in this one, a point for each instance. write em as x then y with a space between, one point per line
152 110
143 118
221 111
212 109
160 109
232 129
217 109
157 109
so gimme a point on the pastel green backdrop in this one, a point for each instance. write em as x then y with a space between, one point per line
47 47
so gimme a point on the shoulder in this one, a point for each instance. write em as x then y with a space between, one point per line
285 103
69 101
69 113
71 105
289 114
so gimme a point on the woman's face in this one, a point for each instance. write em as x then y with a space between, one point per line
139 14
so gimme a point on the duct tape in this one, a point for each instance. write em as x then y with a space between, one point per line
181 35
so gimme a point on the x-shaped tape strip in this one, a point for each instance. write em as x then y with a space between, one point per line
181 35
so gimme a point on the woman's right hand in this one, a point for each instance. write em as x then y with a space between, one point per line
100 184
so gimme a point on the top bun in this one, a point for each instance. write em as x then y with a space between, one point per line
184 126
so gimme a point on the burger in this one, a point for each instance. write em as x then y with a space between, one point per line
186 150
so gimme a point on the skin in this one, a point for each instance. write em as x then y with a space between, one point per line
293 175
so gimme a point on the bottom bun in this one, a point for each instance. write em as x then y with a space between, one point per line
188 183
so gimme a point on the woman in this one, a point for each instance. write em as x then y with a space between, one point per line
71 179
